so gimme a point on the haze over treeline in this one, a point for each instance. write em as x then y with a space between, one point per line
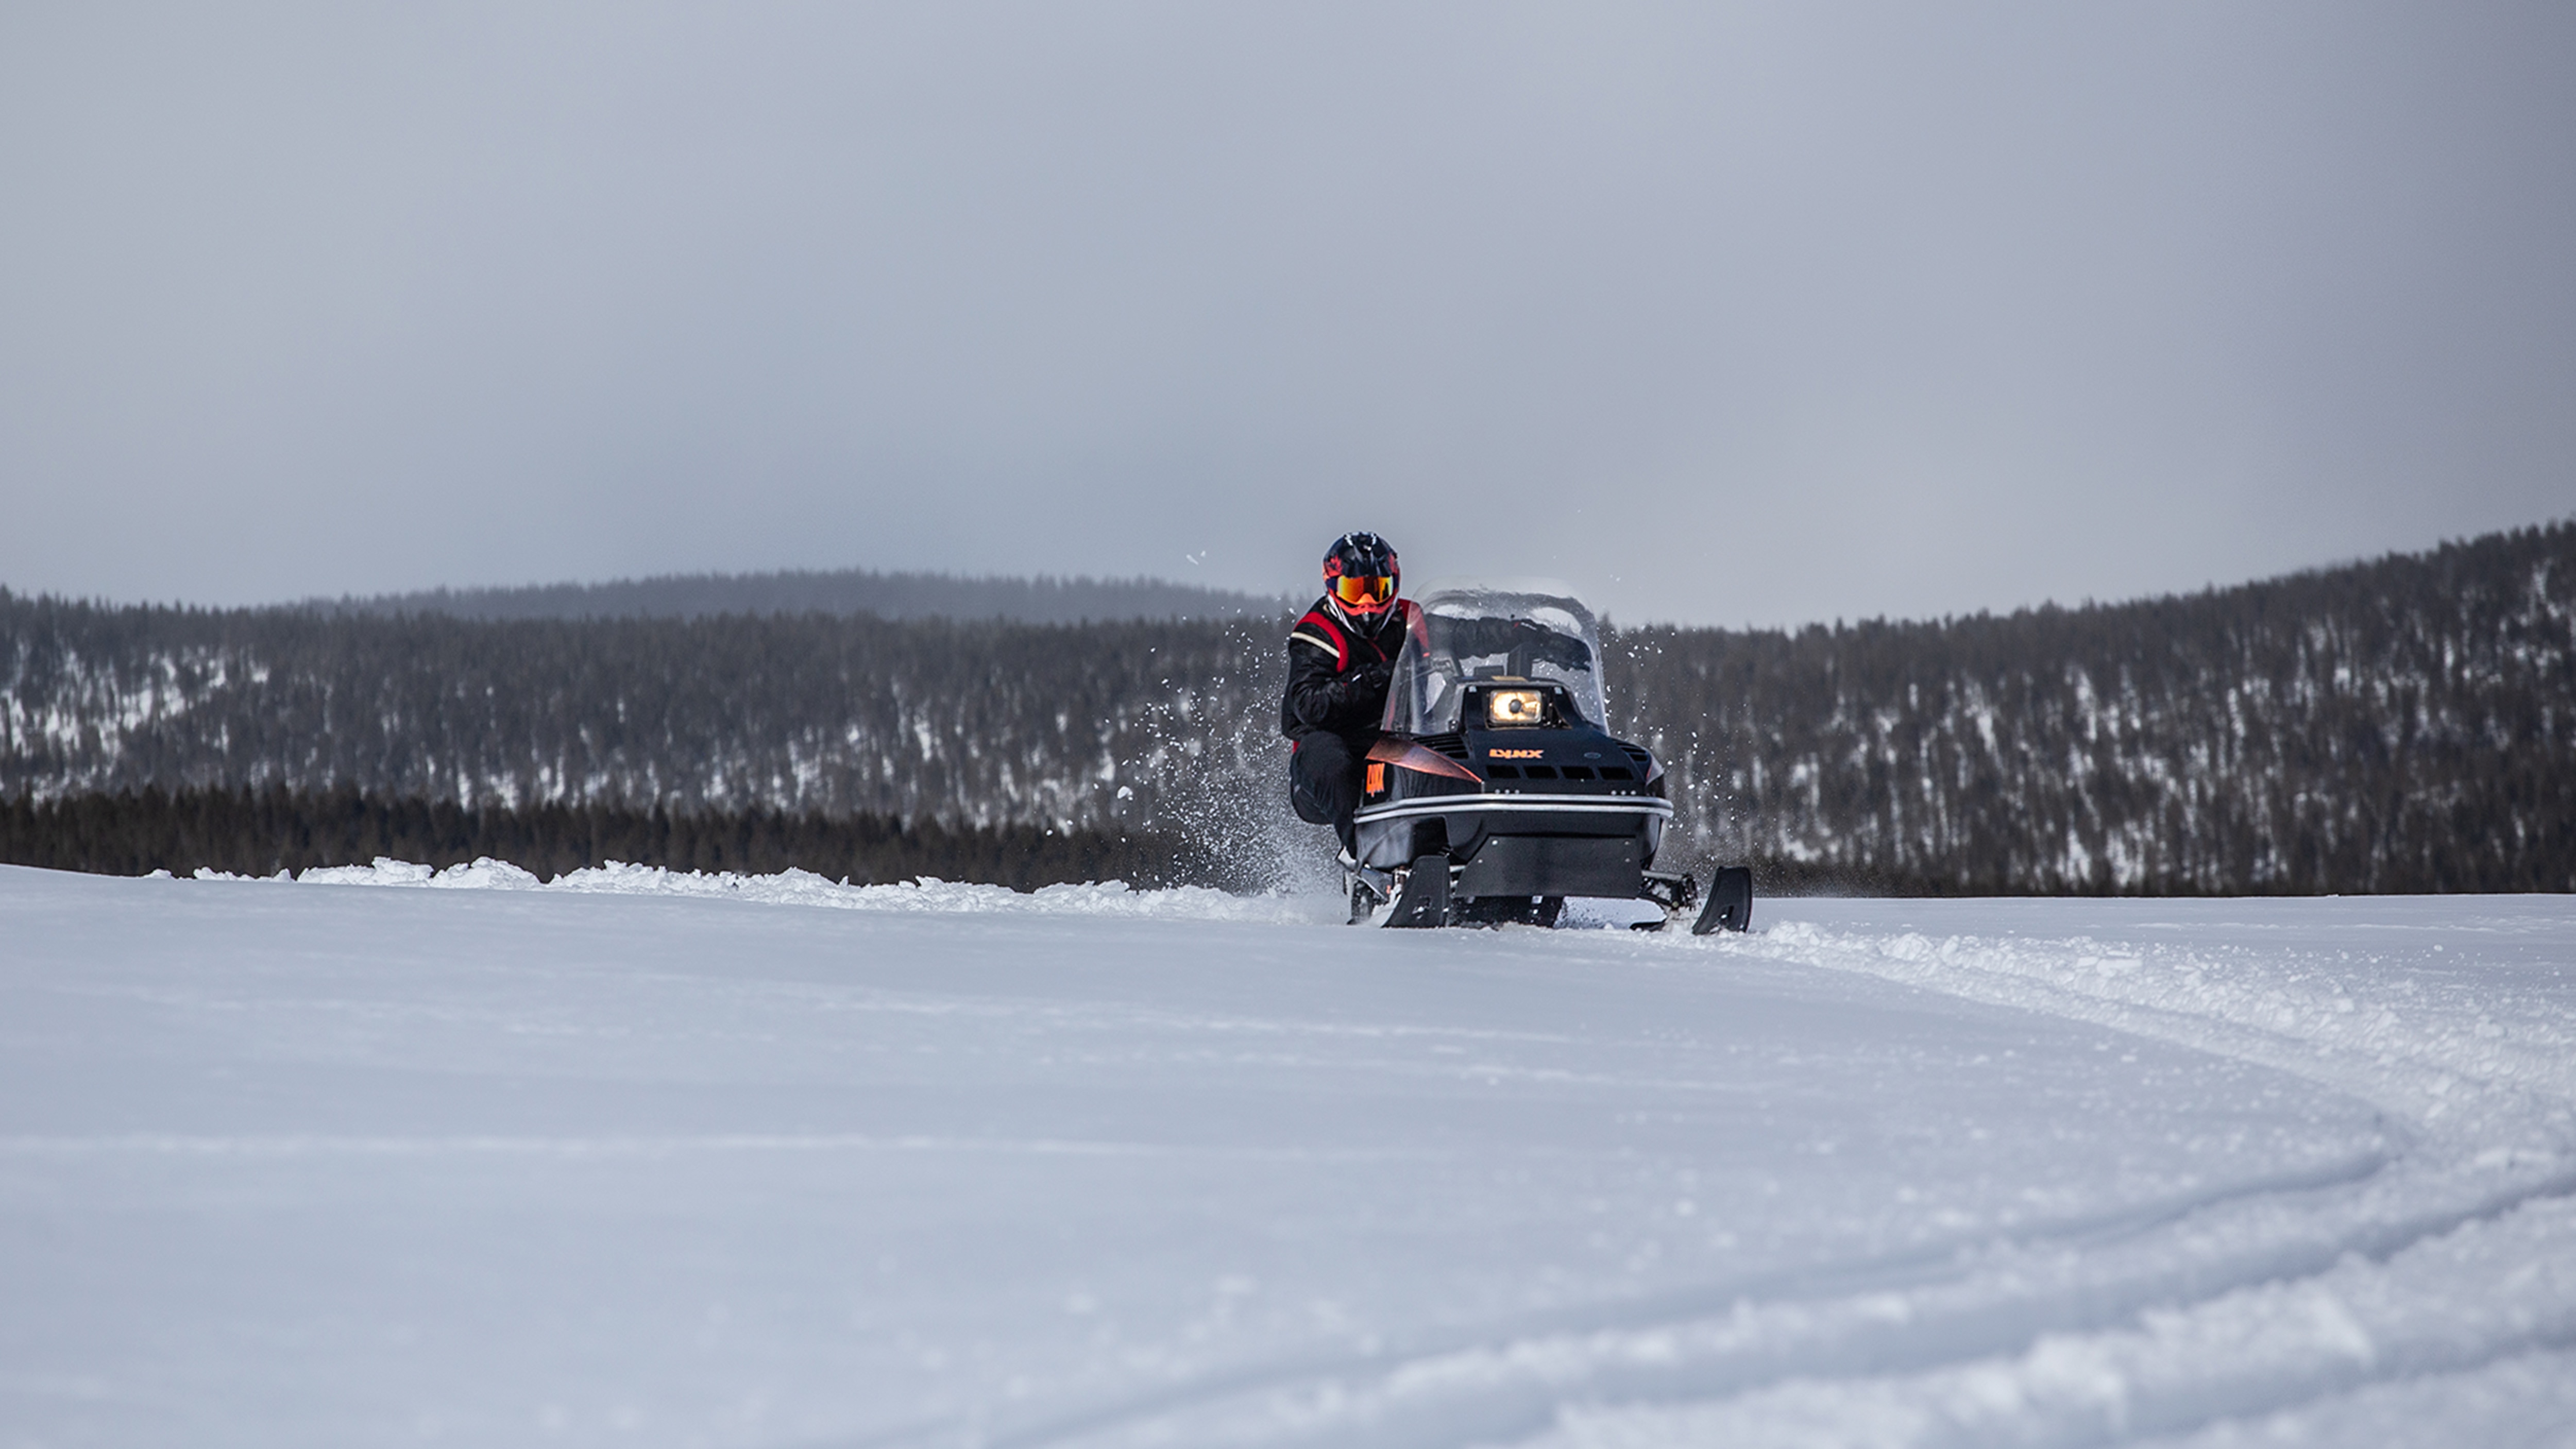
2402 724
1737 312
1041 600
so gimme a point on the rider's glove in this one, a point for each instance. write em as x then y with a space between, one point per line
1367 684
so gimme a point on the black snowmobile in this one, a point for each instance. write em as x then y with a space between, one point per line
1495 792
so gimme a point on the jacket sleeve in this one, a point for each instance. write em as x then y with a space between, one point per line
1314 688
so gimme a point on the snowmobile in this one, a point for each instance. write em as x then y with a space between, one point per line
1495 792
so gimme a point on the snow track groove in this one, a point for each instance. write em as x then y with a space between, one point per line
2054 1298
2063 1336
1735 1332
2461 1255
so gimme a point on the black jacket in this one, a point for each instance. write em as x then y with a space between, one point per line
1337 673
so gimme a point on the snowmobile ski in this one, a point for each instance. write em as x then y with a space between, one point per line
1423 898
1730 902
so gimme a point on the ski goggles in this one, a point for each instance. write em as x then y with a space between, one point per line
1365 591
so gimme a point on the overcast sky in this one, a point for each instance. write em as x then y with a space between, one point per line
1725 314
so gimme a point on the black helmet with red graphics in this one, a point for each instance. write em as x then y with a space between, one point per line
1360 575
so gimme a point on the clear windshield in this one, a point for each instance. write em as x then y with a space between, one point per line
1472 633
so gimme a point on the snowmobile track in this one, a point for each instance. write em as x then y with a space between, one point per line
1623 1351
1511 1381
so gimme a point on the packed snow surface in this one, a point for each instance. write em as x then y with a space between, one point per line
642 1159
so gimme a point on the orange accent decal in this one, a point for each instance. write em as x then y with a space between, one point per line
1376 778
1406 755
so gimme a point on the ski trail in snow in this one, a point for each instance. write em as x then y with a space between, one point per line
2453 1250
2525 1401
1509 1377
2488 1290
2461 1255
1924 1313
2506 1091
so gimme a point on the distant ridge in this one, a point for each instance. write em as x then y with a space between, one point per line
2401 724
841 592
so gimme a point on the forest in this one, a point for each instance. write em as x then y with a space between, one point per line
248 832
2401 724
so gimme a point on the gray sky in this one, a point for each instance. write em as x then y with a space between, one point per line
1725 314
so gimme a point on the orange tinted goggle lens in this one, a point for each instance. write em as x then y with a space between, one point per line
1364 588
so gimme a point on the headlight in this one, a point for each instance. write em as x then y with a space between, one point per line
1515 707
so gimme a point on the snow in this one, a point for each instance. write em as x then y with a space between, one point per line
635 1158
804 888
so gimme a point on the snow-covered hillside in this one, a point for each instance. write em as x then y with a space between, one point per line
2395 725
637 1159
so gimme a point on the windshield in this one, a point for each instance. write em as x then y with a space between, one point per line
1471 634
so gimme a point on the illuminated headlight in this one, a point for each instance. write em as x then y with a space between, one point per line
1515 707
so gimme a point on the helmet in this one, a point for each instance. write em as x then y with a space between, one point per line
1360 575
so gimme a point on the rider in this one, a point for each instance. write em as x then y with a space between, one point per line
1341 658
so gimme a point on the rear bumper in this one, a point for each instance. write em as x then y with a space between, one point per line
1522 844
1553 865
1518 814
